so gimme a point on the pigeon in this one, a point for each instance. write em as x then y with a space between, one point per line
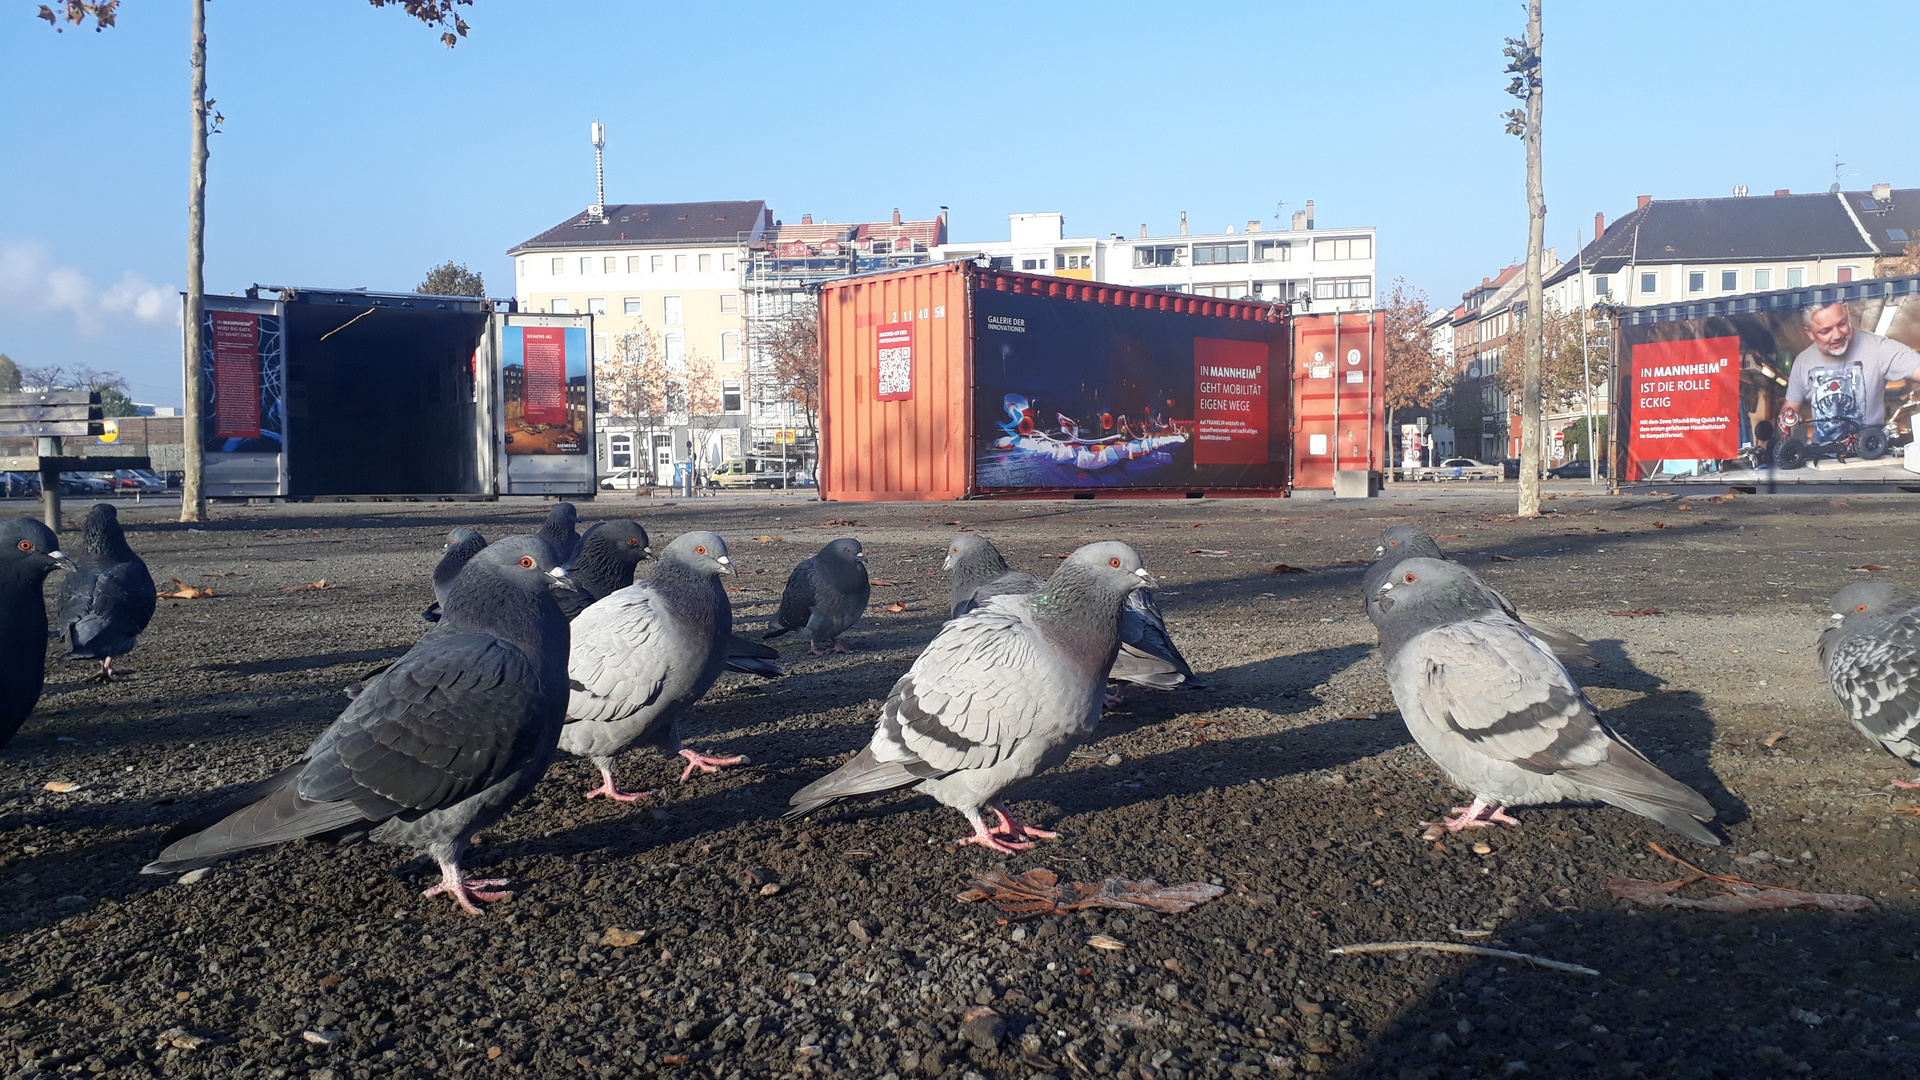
29 551
435 749
1871 651
1407 542
462 545
109 597
1147 654
825 595
644 655
1004 692
558 531
1492 706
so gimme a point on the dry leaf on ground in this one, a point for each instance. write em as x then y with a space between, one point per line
896 606
185 592
1739 896
849 522
1283 568
1866 566
1637 612
315 587
1039 892
767 539
61 785
617 938
881 581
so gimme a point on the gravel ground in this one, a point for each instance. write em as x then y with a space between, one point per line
836 946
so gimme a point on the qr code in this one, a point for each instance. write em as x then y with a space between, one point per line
896 370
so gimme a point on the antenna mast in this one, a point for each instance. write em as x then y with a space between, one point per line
599 208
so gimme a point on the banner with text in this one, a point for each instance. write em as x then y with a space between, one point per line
242 378
543 375
893 378
1231 411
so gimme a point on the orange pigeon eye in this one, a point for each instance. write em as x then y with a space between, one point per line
1862 607
26 545
1393 543
1113 562
526 561
1411 579
633 543
701 550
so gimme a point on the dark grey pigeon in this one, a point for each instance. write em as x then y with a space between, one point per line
558 531
825 596
1490 705
28 553
436 748
1004 692
644 655
1408 542
109 597
462 545
1872 655
1147 657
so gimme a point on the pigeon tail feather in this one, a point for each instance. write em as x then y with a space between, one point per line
864 775
1632 783
283 815
753 665
1131 665
1567 647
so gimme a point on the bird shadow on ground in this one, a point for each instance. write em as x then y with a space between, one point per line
313 662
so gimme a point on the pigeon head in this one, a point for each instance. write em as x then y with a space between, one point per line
700 551
30 548
622 542
102 535
464 539
1097 575
525 560
973 555
845 549
1870 600
1424 593
563 515
1406 541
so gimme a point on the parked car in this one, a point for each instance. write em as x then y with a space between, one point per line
1461 468
84 485
20 485
1575 470
749 473
1510 468
627 480
137 482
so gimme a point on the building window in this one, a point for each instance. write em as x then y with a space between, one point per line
599 346
731 398
633 264
1073 262
726 260
1216 254
523 268
1796 276
1157 256
586 264
1844 274
706 263
729 303
679 264
1650 283
674 348
999 262
1356 247
559 267
1729 281
659 263
620 451
609 264
1600 285
560 305
1762 280
883 247
597 305
663 450
730 347
630 306
1697 281
1342 288
1029 264
1272 251
673 312
1236 290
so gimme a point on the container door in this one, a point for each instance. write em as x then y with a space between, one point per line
543 395
243 402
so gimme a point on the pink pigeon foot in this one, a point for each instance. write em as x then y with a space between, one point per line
1008 827
105 674
839 648
466 890
814 650
608 789
985 838
1110 700
696 760
1481 815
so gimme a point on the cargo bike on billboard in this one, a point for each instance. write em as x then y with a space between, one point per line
1797 387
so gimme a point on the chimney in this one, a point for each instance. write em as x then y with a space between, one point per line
896 215
1299 222
1143 230
1644 200
1253 225
1599 225
1309 213
1883 194
1183 223
806 219
1781 191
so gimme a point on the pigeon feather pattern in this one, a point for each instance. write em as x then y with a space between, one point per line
1491 705
1401 542
108 599
558 531
825 596
1871 653
29 551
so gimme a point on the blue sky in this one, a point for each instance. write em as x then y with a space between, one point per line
357 151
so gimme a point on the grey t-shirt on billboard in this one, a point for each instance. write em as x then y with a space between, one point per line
1876 361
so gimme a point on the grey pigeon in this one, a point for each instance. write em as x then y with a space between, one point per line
109 597
28 553
1003 693
644 655
1490 705
558 531
462 545
1401 542
1147 654
825 595
435 749
1872 655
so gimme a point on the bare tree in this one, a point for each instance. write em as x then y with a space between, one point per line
1523 63
1415 376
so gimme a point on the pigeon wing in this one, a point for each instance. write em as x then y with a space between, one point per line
1143 629
968 699
102 610
1876 676
796 603
620 657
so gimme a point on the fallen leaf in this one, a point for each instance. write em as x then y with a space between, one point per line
952 523
493 1052
675 1059
1637 612
1038 892
1866 566
896 606
1840 504
881 581
1774 739
1739 896
768 539
617 938
837 521
1661 525
61 785
1505 558
181 1039
332 981
321 1038
185 592
1283 568
1212 553
1110 944
315 587
1684 506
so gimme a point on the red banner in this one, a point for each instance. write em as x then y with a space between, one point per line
894 374
1686 400
236 374
1230 380
545 393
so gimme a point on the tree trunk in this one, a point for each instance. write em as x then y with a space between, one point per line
1536 323
193 499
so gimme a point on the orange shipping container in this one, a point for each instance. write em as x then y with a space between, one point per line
948 381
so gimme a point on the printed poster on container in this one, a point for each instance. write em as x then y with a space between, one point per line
894 376
543 374
236 374
1686 396
1230 407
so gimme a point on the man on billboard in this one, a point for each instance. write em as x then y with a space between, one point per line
1844 373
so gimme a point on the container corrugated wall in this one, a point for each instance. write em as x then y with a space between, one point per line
904 446
1338 387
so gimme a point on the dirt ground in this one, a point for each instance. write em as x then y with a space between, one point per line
836 946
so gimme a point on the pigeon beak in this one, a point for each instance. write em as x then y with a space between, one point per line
1147 581
860 555
61 560
1836 616
948 563
726 564
561 580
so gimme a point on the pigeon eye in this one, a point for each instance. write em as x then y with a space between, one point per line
1411 579
633 543
1393 543
1862 607
1113 562
27 545
526 561
701 550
